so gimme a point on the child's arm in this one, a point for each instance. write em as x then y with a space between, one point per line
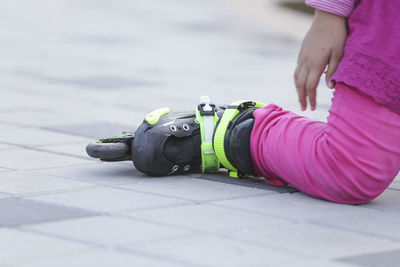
322 46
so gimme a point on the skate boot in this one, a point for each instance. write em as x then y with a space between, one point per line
165 143
182 142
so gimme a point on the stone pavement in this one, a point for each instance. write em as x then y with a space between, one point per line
72 71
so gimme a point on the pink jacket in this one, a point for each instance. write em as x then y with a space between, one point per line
371 60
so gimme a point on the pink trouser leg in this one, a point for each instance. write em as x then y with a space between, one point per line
350 159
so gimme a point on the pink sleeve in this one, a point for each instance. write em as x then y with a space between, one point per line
339 7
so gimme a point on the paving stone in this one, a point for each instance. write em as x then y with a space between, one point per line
41 117
94 130
369 222
69 106
101 118
386 201
78 149
101 82
296 206
358 219
193 189
396 183
312 241
377 259
25 159
104 173
209 250
7 147
315 262
110 200
17 212
31 136
5 169
101 258
109 231
208 218
369 219
19 247
23 183
18 100
4 196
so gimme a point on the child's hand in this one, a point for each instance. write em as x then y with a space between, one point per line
323 45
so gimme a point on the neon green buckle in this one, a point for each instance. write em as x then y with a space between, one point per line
207 117
219 137
153 117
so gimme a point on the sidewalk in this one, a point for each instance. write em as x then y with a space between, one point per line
73 71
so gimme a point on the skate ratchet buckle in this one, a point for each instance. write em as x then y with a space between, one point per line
206 116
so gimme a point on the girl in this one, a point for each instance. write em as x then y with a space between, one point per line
356 155
350 159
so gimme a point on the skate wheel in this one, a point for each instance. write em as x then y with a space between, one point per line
109 151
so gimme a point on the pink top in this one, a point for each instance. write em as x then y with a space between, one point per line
371 60
339 7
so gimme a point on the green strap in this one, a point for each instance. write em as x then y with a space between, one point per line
219 145
219 137
209 160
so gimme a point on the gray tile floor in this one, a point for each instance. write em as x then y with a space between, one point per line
72 71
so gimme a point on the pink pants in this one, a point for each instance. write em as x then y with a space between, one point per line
351 159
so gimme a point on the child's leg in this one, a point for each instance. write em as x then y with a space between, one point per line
351 159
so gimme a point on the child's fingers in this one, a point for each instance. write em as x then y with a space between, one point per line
300 80
302 99
311 88
332 66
